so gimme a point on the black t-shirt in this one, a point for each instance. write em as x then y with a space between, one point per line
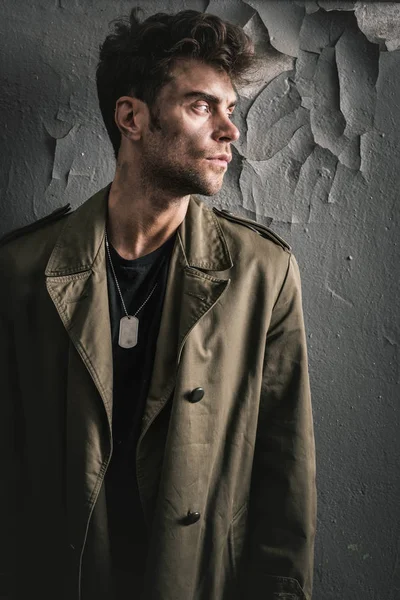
132 373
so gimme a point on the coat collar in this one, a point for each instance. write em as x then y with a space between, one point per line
202 238
82 239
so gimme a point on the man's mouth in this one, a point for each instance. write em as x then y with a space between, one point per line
221 159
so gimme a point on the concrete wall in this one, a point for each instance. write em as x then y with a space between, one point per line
319 155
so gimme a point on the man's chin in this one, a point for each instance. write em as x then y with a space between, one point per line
210 192
190 182
210 188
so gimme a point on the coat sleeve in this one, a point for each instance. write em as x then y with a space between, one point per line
282 503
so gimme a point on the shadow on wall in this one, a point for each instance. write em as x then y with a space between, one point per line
54 146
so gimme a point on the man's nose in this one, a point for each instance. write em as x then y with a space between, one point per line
227 130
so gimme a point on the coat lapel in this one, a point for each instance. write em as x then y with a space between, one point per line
193 288
76 279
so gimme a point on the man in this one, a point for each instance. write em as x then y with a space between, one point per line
157 432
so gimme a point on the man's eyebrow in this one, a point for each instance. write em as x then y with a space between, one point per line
199 94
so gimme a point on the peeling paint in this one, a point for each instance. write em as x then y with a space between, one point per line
380 22
272 63
369 147
283 21
311 6
321 30
387 90
302 143
350 156
327 121
391 341
357 63
306 66
274 117
347 183
57 129
65 154
266 185
314 184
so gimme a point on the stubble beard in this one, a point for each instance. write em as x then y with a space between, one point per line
169 176
179 181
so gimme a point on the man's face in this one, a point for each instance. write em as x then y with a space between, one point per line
188 149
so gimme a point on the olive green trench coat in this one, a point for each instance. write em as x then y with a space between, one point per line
227 483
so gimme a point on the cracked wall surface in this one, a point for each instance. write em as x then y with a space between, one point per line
318 159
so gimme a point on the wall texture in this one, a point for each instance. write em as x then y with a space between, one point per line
319 157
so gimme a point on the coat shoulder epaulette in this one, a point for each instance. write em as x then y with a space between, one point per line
262 230
54 216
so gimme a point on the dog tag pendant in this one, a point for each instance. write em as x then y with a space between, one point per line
128 332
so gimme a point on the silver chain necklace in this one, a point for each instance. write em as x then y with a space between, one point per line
129 324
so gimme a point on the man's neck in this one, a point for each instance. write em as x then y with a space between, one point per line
141 219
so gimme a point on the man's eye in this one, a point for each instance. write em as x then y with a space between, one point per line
203 107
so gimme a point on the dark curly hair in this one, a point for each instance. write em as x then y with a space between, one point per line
136 58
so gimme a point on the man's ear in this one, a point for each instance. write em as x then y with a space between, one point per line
131 116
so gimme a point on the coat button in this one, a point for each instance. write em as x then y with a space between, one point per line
196 394
191 517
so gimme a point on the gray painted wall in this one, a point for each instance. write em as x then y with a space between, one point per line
319 154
